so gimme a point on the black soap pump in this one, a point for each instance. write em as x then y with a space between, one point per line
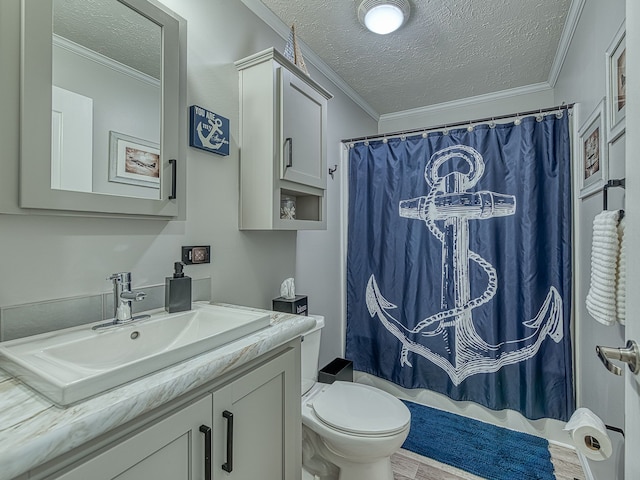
177 291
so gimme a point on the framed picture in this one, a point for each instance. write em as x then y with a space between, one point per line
133 161
616 84
592 152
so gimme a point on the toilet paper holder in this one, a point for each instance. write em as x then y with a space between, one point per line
615 429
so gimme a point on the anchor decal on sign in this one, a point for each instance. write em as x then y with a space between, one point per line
215 132
447 210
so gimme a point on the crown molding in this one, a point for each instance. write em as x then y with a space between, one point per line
103 60
273 21
570 25
465 102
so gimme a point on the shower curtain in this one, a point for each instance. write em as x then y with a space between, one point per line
459 264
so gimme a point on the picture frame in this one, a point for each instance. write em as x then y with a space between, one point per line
592 152
133 160
616 84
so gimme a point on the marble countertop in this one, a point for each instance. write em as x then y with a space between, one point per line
33 430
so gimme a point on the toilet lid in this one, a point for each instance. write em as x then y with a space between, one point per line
361 409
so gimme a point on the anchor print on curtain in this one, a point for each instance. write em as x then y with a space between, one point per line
459 264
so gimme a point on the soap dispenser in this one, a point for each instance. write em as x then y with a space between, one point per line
177 291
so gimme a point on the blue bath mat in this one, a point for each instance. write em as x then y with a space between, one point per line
485 450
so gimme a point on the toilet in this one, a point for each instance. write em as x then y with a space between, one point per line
349 430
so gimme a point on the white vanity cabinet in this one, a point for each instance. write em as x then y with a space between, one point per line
266 437
255 425
283 144
171 448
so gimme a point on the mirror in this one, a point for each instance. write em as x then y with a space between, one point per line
106 99
106 78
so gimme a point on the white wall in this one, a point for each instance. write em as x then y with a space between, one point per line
582 79
47 257
319 260
501 103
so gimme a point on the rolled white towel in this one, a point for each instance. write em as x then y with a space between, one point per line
621 288
602 298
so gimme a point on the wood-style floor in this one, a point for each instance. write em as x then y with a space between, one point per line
410 466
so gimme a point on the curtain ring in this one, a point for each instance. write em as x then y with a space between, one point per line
425 134
470 127
445 131
403 137
492 123
384 140
366 143
517 121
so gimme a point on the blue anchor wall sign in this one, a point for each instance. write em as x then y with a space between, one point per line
208 131
447 210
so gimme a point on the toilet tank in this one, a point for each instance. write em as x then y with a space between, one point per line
309 354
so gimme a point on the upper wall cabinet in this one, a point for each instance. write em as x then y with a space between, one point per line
107 80
283 145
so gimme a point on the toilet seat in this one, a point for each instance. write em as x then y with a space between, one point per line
360 410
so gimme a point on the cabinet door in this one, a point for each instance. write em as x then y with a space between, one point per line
303 140
173 448
265 441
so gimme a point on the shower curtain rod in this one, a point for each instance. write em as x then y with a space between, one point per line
459 124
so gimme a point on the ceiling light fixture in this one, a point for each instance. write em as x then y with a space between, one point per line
383 16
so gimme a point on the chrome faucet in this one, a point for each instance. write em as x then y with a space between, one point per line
123 297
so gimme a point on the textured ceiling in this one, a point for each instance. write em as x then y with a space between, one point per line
448 49
111 29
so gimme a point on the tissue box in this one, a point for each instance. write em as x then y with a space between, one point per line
339 369
297 305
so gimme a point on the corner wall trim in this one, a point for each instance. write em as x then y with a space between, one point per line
585 466
272 20
570 25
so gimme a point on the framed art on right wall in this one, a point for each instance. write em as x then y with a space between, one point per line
616 85
592 152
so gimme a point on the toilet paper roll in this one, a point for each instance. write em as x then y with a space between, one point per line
589 434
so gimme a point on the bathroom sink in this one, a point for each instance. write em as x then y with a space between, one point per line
72 364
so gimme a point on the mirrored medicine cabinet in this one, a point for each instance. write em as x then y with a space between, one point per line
106 79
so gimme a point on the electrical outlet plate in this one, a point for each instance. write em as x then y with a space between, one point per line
194 255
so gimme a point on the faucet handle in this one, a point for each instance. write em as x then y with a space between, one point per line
121 277
133 296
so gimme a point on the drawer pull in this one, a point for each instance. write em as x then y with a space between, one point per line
207 451
174 173
289 141
228 465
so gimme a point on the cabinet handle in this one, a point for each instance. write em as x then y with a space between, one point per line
289 141
207 451
174 173
228 465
